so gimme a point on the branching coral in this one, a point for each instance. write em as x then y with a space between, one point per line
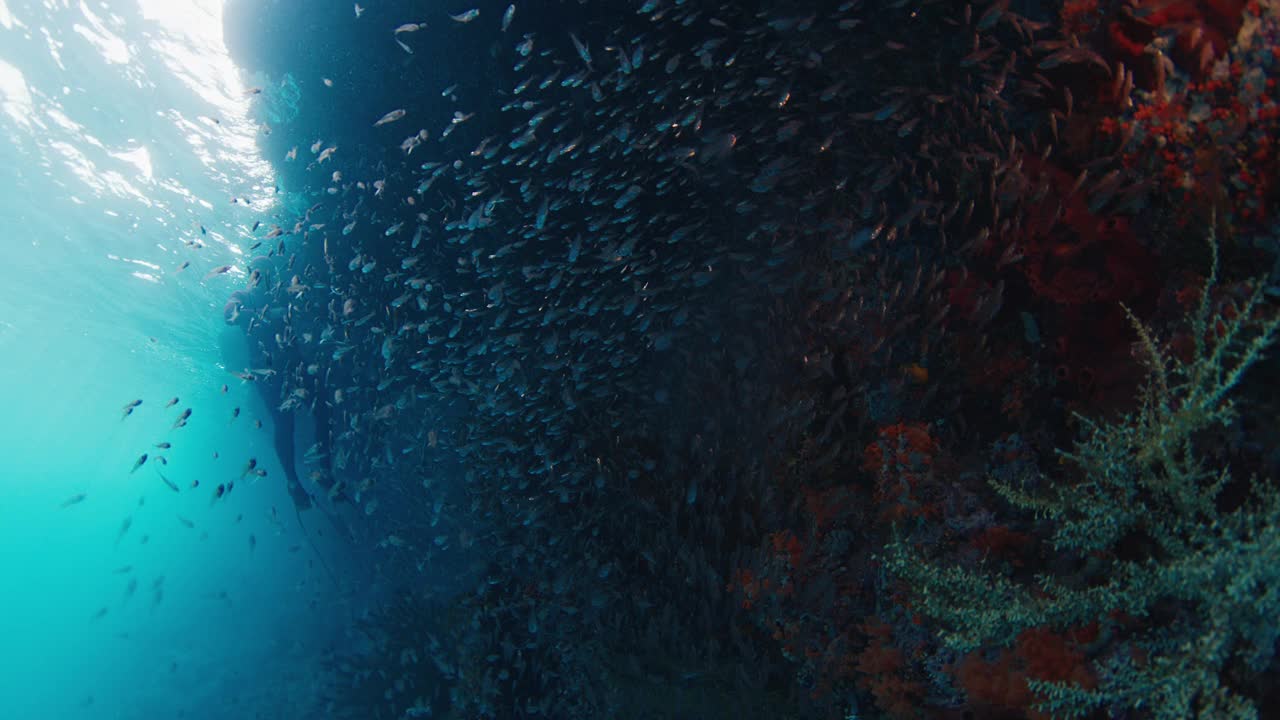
1152 516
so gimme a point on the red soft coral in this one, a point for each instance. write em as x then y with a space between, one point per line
881 667
901 461
1039 654
1203 31
1071 254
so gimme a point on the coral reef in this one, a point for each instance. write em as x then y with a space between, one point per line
1178 577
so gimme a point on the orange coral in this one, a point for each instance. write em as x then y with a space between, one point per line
1072 254
824 506
993 684
904 444
745 580
880 666
1002 542
1204 29
900 459
786 543
1038 653
1079 17
1052 657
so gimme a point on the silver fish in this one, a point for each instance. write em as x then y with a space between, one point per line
390 117
583 51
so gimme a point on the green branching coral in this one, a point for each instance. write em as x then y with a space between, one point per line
1210 567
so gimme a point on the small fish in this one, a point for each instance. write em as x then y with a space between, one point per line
182 419
73 500
123 569
391 117
167 481
102 612
249 467
128 409
410 27
163 445
508 16
253 542
359 10
220 270
583 52
184 521
171 403
124 528
139 463
467 16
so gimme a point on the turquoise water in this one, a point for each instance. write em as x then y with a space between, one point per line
111 162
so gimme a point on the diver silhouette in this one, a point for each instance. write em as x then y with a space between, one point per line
256 331
258 326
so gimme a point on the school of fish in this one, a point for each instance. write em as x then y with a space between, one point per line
558 330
